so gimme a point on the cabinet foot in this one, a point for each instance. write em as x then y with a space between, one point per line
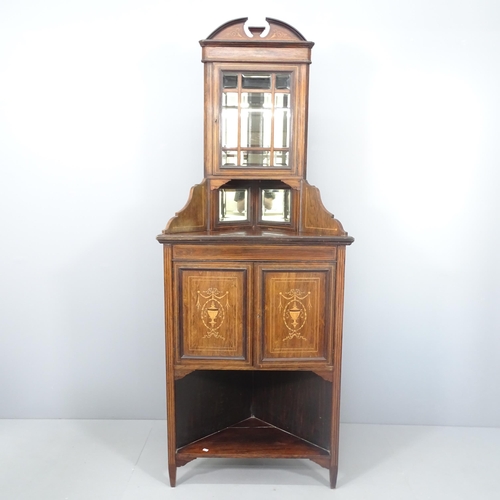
172 472
333 477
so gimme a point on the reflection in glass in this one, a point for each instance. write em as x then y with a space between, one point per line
283 81
256 81
275 205
255 128
229 128
280 158
229 120
229 100
281 127
282 101
255 158
256 115
229 158
233 205
230 80
256 100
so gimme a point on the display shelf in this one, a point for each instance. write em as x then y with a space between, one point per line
252 438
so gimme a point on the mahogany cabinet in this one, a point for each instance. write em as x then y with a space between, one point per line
254 268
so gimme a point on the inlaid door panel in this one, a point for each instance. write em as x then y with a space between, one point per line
295 320
212 307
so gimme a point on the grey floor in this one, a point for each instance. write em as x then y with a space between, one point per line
125 460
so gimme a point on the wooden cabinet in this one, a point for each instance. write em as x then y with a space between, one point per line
254 269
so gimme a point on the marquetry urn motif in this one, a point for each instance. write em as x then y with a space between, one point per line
295 312
212 310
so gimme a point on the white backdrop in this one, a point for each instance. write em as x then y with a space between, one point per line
101 108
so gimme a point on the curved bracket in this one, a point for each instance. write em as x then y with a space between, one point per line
193 217
315 218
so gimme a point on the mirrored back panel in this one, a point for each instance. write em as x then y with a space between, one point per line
275 205
233 205
244 203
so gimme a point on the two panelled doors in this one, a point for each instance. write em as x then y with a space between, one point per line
253 314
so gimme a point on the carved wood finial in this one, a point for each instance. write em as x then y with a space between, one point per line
256 31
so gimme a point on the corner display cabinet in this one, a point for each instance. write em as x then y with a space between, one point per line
254 268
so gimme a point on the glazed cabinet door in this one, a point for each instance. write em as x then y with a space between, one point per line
212 304
295 305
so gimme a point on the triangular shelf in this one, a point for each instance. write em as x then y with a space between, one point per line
252 438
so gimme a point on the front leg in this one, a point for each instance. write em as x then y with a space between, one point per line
333 476
172 473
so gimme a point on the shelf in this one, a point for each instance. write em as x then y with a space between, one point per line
252 438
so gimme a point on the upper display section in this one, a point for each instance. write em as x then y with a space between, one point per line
256 84
256 99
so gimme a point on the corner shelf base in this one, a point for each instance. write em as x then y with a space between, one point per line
252 438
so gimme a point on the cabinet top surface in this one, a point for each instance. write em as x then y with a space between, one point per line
257 236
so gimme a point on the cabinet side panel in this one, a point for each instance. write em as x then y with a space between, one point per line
209 401
169 354
337 363
297 402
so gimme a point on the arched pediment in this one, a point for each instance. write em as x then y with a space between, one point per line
238 29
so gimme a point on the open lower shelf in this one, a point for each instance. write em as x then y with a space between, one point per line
252 438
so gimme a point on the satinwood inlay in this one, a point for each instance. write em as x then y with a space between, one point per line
294 312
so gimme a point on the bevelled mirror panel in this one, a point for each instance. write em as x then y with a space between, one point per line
230 80
280 158
229 128
283 81
256 116
275 205
281 128
233 205
255 158
256 81
230 158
